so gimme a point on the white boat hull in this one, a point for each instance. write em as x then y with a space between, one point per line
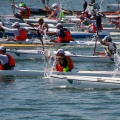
24 73
26 54
113 7
37 43
38 73
85 81
39 54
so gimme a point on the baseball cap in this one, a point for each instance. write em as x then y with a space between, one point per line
59 24
60 51
2 48
22 4
15 24
54 5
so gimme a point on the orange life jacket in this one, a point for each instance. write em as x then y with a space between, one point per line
67 37
26 13
70 65
9 65
23 35
54 15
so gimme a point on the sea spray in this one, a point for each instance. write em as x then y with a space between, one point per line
50 60
117 64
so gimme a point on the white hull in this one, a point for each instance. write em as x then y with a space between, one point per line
24 73
26 54
72 27
113 7
32 42
46 20
38 73
39 54
85 81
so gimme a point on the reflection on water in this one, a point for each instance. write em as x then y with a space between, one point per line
6 79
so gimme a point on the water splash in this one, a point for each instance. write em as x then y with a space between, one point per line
50 60
117 65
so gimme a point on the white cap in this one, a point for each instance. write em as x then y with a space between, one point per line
2 48
59 24
16 24
54 5
107 38
60 51
91 17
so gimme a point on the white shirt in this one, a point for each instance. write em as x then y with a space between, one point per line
14 30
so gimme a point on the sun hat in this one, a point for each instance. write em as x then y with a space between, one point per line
2 48
60 51
54 5
16 24
59 24
107 38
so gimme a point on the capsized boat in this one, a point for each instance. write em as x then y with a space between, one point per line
81 81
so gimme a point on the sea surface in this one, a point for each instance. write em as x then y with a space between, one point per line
35 98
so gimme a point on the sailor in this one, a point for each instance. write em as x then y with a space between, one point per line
24 11
110 48
64 63
64 35
7 62
19 33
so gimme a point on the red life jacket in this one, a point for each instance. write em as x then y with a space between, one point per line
67 37
26 13
9 65
23 35
101 27
93 28
70 65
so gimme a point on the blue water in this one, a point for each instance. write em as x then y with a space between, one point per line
27 98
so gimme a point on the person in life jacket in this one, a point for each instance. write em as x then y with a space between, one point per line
7 62
19 33
64 35
63 63
110 48
55 11
24 11
116 23
41 25
92 28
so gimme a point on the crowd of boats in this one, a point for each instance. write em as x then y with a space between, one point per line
83 79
